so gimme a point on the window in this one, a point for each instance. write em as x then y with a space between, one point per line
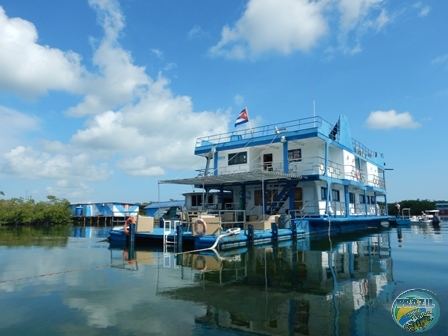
335 195
323 193
352 197
372 199
237 158
196 200
362 199
295 155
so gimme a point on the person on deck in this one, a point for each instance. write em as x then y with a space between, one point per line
397 209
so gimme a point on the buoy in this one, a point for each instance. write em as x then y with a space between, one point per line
203 224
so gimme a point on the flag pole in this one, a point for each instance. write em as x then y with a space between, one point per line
250 127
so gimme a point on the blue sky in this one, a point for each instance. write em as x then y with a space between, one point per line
101 99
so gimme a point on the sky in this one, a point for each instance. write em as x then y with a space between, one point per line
101 99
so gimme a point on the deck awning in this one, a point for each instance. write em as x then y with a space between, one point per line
233 178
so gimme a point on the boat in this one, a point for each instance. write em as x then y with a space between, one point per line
284 180
427 217
403 219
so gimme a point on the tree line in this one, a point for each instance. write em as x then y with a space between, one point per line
18 211
416 206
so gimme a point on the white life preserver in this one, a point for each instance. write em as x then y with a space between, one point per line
202 223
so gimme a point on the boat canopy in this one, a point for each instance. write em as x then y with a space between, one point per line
244 177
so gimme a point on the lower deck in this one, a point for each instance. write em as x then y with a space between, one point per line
244 234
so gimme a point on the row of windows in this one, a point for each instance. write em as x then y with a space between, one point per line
294 155
335 196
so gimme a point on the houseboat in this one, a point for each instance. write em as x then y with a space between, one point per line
304 176
305 169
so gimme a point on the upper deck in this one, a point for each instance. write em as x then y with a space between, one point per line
279 132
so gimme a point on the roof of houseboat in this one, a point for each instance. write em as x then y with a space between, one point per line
258 175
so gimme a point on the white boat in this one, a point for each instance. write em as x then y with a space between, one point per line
308 170
427 216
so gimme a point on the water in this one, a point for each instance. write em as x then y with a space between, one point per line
69 281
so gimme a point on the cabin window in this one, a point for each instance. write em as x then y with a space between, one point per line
335 195
372 199
295 155
196 200
237 158
267 162
351 197
323 193
362 199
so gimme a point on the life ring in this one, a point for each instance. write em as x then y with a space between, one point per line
201 222
130 220
200 263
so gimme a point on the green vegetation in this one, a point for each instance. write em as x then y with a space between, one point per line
416 206
17 211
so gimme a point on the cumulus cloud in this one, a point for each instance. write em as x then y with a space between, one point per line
267 25
25 162
129 117
30 69
299 25
391 119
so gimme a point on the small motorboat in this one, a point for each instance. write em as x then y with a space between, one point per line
427 217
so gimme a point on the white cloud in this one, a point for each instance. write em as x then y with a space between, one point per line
196 31
440 59
29 69
357 17
131 120
158 53
238 99
423 9
270 25
25 162
71 189
391 119
14 125
298 25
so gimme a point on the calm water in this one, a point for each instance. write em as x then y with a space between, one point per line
71 282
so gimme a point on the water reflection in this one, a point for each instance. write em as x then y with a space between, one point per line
291 288
339 286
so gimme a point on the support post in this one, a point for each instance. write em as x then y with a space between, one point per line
132 230
179 235
250 234
293 227
274 231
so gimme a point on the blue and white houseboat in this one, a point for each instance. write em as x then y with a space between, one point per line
305 176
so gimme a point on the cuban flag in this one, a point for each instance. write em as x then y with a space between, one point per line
242 118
